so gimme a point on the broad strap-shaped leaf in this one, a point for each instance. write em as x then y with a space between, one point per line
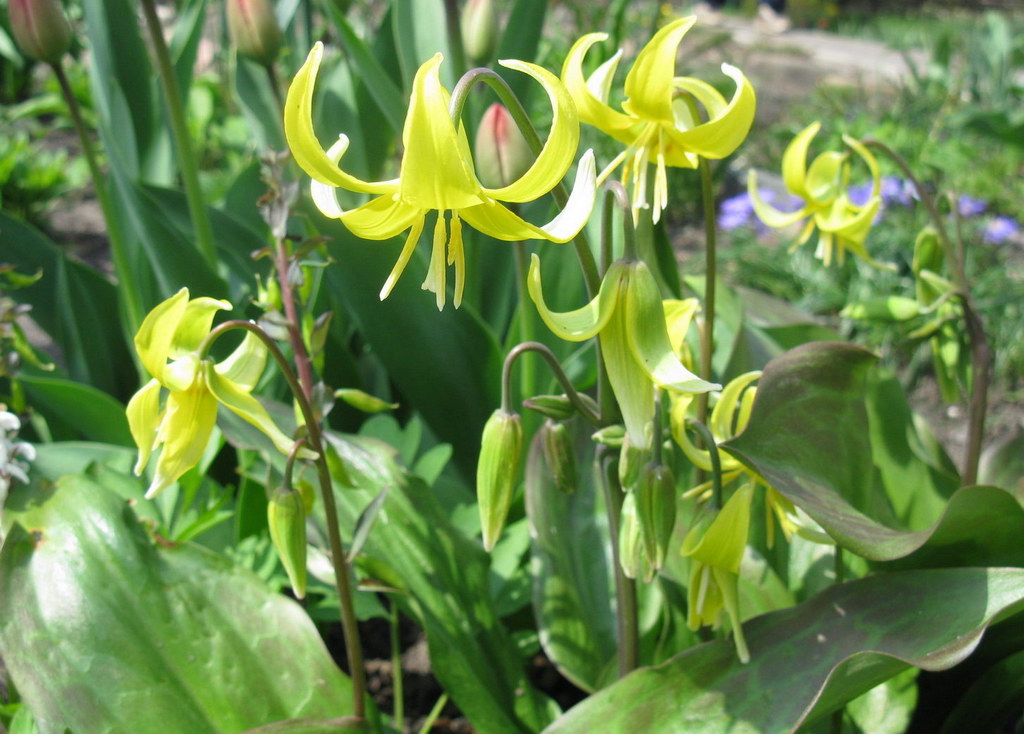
105 630
572 582
852 637
809 437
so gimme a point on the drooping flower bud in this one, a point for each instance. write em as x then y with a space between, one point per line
286 518
479 30
254 29
501 448
560 455
40 28
656 511
500 151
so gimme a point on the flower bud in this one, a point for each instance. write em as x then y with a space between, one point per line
254 29
286 518
656 511
560 455
40 28
500 151
479 30
501 447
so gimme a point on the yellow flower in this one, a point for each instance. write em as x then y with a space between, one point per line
659 122
635 347
437 174
168 344
823 187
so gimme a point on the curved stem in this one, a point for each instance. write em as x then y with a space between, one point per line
981 355
716 462
182 142
522 120
127 287
627 627
506 379
707 337
339 560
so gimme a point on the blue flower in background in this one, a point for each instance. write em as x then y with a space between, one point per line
1001 229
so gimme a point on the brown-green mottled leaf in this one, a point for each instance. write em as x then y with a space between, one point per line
852 637
105 630
809 436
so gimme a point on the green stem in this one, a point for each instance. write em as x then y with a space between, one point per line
508 98
981 353
716 462
339 560
428 723
626 624
506 379
707 337
127 286
182 142
396 670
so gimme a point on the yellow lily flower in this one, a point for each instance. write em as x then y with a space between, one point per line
659 122
841 224
628 314
437 174
168 344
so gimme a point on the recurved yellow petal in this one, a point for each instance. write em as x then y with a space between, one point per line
301 137
649 82
592 110
184 432
648 335
143 419
499 222
559 149
583 323
794 160
156 334
722 134
245 365
768 213
224 391
437 170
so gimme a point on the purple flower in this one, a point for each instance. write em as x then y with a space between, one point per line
1001 229
968 206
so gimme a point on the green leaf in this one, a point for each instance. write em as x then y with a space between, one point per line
105 630
86 410
414 544
572 582
75 305
809 436
852 637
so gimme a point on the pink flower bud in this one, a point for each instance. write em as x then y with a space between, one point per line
40 28
501 152
254 29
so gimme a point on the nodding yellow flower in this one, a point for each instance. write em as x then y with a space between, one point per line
437 174
660 121
168 343
841 224
635 347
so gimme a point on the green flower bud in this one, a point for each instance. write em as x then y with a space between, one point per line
286 518
560 455
500 151
656 511
558 407
501 448
631 461
40 29
479 30
254 30
631 550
